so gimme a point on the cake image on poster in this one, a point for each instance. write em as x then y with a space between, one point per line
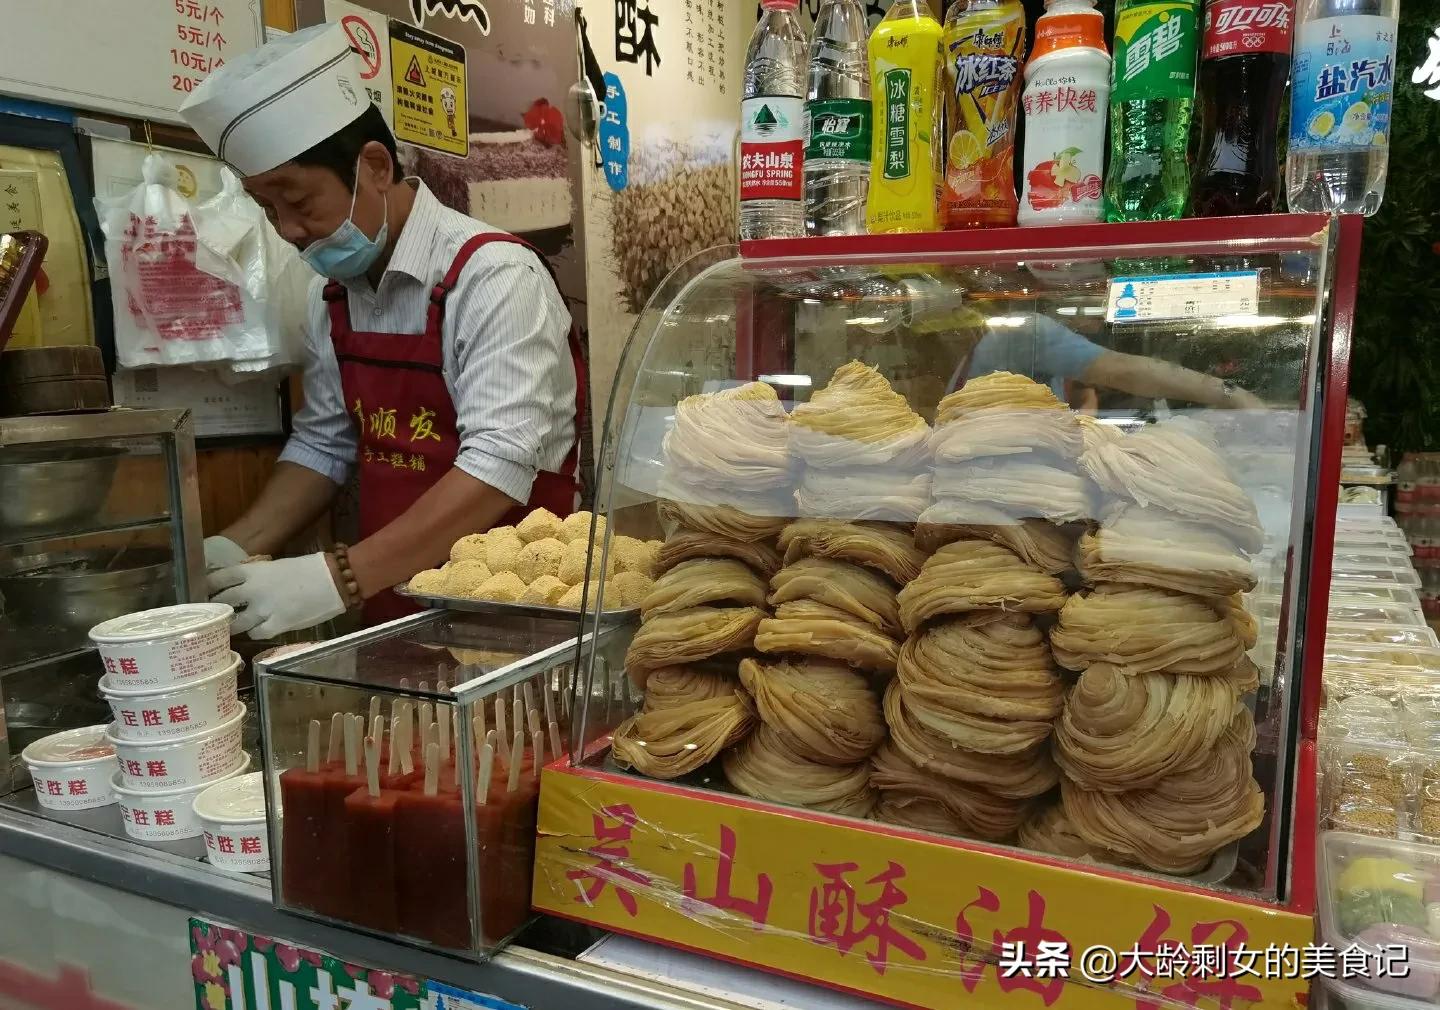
517 180
680 201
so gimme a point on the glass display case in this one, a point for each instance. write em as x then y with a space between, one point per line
99 516
403 768
1013 539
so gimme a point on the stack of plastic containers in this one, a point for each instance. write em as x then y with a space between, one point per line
170 678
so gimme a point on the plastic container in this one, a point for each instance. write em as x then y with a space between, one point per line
232 816
161 648
1376 892
72 770
189 761
199 706
1344 633
1349 593
1345 574
165 815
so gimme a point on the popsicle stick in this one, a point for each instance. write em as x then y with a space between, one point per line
312 747
443 722
337 737
487 768
440 687
492 740
396 740
549 702
517 710
377 727
432 737
529 693
424 687
404 683
533 721
372 767
352 744
537 741
555 738
432 769
479 720
500 727
374 708
517 752
407 760
427 715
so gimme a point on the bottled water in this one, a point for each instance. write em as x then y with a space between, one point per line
837 117
772 126
1343 83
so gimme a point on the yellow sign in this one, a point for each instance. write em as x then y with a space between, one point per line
428 76
914 920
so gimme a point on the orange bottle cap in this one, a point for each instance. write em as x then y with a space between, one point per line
1055 32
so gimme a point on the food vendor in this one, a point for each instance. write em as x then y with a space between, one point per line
440 357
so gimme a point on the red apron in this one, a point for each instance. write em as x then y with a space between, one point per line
394 386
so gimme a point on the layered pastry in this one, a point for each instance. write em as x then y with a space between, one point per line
1155 548
860 592
736 437
1177 825
1012 776
766 768
810 628
1040 544
1018 488
972 575
986 682
674 686
1175 467
1138 629
1096 433
1121 732
883 548
700 582
687 545
880 493
998 391
1050 831
915 798
1009 432
856 420
679 739
821 710
731 514
690 636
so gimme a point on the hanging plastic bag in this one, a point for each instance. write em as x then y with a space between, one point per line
188 281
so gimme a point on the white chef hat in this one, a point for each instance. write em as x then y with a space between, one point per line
279 100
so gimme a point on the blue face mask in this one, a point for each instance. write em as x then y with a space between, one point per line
347 252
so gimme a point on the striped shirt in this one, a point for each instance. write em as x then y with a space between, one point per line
506 356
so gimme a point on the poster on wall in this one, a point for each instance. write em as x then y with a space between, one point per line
513 165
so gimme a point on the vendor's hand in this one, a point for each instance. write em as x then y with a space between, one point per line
273 597
222 552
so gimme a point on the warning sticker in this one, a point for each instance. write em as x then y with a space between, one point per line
369 35
428 76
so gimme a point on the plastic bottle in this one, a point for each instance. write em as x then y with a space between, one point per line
1067 97
1340 103
1152 94
1244 64
905 150
772 126
984 54
837 118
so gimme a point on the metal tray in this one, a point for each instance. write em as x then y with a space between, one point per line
540 610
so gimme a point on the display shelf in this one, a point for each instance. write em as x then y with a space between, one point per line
90 529
102 821
24 648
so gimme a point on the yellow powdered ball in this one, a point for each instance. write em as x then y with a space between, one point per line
577 527
505 587
574 596
500 531
631 555
431 582
471 548
546 591
542 557
502 550
462 578
627 590
572 566
542 524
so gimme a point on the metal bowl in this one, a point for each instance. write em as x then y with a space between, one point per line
77 590
51 488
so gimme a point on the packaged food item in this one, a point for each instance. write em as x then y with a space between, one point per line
984 54
164 647
72 770
232 815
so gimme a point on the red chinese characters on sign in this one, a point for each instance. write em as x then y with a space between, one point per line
165 818
1224 988
78 787
1030 957
250 845
612 829
129 667
1062 99
1034 939
757 911
150 717
839 919
179 713
168 294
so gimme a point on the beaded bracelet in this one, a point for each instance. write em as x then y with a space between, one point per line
348 583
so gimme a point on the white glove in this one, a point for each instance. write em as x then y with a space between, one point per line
273 597
222 552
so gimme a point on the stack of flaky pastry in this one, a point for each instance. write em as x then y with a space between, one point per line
835 625
727 493
1154 741
976 694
